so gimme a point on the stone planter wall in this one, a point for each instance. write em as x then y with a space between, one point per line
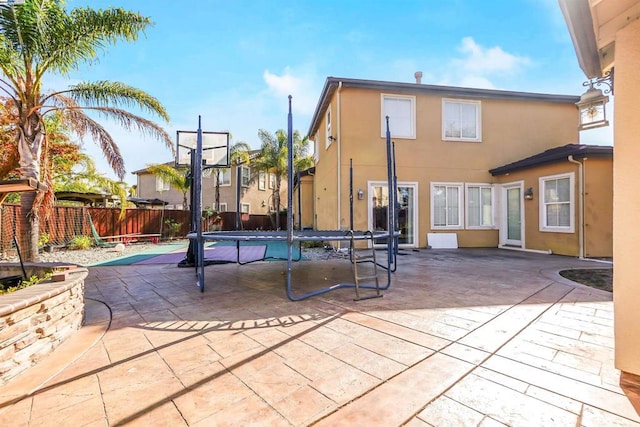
37 319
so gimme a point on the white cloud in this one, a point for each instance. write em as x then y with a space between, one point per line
302 89
481 60
479 66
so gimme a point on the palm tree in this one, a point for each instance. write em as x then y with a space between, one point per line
177 178
40 37
273 157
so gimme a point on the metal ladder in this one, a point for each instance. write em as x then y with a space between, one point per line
355 260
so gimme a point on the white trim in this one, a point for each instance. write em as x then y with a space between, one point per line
242 169
262 181
383 121
248 206
461 208
223 207
466 206
416 207
222 172
478 105
328 121
542 204
503 230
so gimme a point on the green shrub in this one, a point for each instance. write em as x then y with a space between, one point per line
81 242
33 280
172 227
43 239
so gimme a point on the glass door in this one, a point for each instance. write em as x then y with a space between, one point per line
514 216
407 217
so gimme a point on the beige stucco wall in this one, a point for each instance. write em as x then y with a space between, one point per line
511 130
626 233
598 206
306 202
251 195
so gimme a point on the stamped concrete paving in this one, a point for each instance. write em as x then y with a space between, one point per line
464 337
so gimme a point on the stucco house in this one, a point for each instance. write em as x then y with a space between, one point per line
447 141
256 196
606 38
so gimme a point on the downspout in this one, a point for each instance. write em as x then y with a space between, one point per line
580 206
339 168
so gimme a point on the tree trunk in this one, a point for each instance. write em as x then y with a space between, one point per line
29 227
29 221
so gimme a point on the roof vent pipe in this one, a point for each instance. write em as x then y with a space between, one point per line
418 76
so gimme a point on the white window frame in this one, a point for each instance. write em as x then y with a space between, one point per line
245 177
245 207
272 180
543 204
262 181
383 116
460 187
223 207
478 105
481 186
225 177
162 185
327 133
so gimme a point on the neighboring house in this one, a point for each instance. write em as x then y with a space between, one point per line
256 195
606 36
560 201
447 139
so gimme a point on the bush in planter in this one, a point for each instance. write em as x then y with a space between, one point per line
81 242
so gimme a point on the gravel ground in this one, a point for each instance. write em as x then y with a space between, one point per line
97 255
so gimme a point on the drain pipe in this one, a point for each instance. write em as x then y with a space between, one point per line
339 168
580 206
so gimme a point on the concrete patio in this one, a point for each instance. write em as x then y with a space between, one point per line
478 337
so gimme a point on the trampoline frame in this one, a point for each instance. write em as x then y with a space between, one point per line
292 236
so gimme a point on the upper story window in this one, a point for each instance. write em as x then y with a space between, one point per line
446 205
224 176
244 176
461 120
401 110
479 205
223 207
328 134
272 180
162 185
262 180
557 203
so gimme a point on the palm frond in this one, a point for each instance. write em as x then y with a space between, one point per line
114 94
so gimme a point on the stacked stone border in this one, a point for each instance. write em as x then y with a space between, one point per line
36 320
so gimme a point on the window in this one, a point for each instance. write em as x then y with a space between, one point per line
479 205
262 181
161 185
446 202
245 207
223 207
557 203
224 176
461 120
328 134
402 116
272 180
244 176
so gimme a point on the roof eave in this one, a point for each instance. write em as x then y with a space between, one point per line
577 15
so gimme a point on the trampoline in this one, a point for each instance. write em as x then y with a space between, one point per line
291 236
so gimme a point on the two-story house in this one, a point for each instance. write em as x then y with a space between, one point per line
447 140
256 189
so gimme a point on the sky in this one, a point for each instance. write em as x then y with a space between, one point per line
235 62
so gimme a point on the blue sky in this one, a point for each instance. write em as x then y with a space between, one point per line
235 62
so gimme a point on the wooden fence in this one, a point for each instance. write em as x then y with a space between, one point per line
66 222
